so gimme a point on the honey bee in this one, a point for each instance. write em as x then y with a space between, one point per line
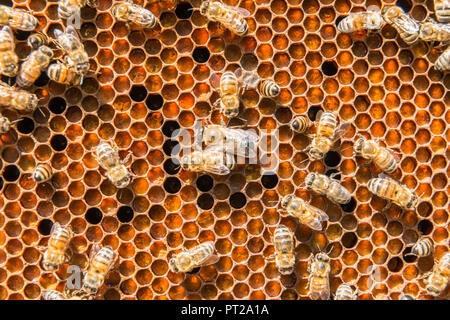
69 8
319 283
187 260
102 260
443 62
305 213
243 143
42 172
63 73
32 67
71 43
370 20
301 124
406 27
130 12
17 18
345 292
406 297
440 276
56 295
17 99
384 158
8 58
212 160
37 39
424 247
388 188
327 133
229 94
266 88
5 124
233 18
442 10
328 186
433 31
283 241
108 158
55 255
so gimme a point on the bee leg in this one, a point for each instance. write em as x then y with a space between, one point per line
271 257
41 248
127 158
334 175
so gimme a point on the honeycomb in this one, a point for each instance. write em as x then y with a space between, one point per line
144 85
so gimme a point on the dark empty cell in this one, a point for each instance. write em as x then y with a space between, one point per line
312 112
332 171
172 166
425 227
172 185
238 200
169 127
269 181
201 54
154 102
395 264
25 126
171 147
349 207
205 201
125 214
22 35
204 183
183 10
195 270
332 158
45 227
1 183
11 173
94 216
329 68
349 239
58 142
42 80
406 5
138 93
409 258
8 80
7 3
57 105
339 19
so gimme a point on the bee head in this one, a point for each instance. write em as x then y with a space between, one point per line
374 20
204 7
323 257
392 12
310 179
285 201
316 154
412 202
49 266
358 146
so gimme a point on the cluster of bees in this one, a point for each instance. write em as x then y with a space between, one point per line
408 29
221 143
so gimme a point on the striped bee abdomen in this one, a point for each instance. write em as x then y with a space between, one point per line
42 172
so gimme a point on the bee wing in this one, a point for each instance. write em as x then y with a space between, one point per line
250 79
54 227
211 260
243 12
94 250
9 34
72 31
342 130
214 79
219 169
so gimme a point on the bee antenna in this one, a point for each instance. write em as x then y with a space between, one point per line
303 161
40 111
190 9
347 148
